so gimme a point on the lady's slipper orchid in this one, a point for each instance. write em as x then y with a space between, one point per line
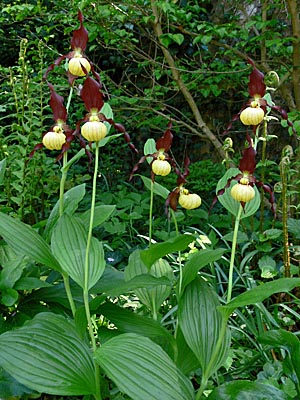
94 128
180 195
78 64
161 161
243 191
253 112
60 135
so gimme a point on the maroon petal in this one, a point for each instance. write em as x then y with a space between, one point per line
166 140
248 162
172 199
256 86
36 147
57 106
91 94
80 36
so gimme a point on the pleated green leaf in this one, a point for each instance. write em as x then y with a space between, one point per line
70 204
142 370
159 250
25 241
260 293
47 355
101 214
151 297
68 244
244 390
201 322
197 262
158 189
128 322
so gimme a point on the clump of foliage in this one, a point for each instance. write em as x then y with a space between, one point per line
158 288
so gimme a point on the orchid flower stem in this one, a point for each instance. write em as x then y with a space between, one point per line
233 249
179 253
61 210
86 271
64 173
262 175
151 212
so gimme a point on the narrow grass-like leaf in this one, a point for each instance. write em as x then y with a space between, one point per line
142 370
68 244
24 240
160 250
201 322
47 355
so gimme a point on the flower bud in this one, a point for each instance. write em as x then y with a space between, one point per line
76 63
252 115
189 201
242 192
54 140
161 167
93 131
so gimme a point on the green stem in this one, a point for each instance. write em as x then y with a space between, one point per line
151 212
61 210
86 271
179 254
233 249
284 197
262 175
64 173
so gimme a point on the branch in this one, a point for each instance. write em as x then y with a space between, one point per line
182 87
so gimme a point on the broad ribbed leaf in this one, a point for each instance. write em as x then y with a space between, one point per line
197 262
25 241
128 322
142 370
244 390
71 200
260 293
68 244
159 250
186 360
101 214
2 170
157 187
47 355
201 322
154 297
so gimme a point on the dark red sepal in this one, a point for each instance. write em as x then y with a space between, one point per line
36 148
91 94
80 36
256 84
247 162
57 106
165 141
